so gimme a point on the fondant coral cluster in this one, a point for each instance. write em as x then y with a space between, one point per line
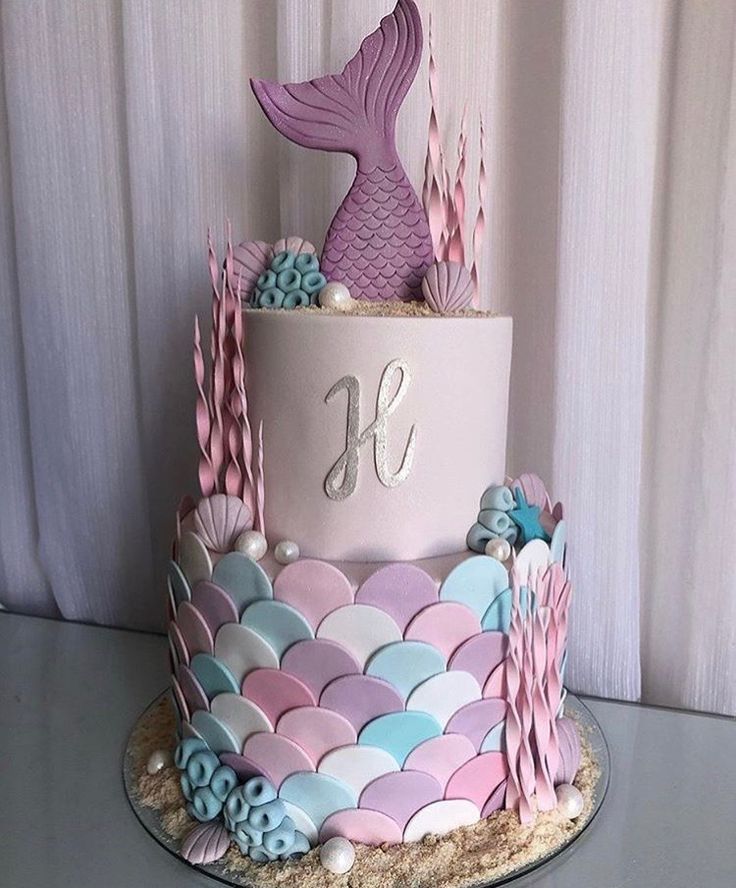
254 817
292 280
518 512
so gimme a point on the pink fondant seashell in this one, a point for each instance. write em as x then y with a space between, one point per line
533 489
250 260
447 286
206 843
294 244
220 519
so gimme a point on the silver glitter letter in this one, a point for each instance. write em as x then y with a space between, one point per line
346 466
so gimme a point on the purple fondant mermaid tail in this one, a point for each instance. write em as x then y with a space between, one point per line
379 243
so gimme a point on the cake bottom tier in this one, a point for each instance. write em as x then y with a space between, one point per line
378 703
490 850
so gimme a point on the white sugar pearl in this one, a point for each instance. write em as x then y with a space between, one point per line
252 543
336 296
498 548
337 855
157 761
286 551
569 800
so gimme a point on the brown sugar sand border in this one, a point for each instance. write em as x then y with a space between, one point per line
469 856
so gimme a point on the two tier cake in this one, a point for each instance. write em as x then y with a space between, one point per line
368 619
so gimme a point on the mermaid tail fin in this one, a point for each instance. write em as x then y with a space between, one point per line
354 111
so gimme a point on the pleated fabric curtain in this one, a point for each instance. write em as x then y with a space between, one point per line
127 128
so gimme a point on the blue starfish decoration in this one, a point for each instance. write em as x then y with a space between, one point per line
526 518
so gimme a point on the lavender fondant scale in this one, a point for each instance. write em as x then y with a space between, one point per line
379 243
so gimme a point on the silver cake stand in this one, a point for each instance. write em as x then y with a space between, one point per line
151 820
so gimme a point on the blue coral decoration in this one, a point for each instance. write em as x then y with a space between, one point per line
258 824
205 783
495 519
253 814
292 281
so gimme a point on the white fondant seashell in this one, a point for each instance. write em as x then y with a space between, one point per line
250 260
447 286
294 244
220 519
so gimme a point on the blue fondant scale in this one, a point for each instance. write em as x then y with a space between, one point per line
242 579
406 664
279 624
475 583
179 584
213 675
557 545
214 733
400 732
318 795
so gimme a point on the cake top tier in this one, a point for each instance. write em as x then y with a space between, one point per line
383 244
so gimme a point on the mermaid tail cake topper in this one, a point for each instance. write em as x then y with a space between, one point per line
379 243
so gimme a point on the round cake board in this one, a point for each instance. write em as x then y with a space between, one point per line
151 819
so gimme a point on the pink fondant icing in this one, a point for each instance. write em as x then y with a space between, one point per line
476 719
314 588
194 629
362 826
446 625
495 800
569 751
275 692
402 590
192 690
400 794
477 779
245 767
457 399
214 604
480 655
180 700
315 730
496 684
317 662
361 698
277 755
180 646
441 756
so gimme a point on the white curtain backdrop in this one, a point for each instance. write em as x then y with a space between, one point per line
127 128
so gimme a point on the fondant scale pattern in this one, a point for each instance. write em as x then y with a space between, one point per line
379 712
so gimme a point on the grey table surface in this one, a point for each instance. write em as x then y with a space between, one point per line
69 695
